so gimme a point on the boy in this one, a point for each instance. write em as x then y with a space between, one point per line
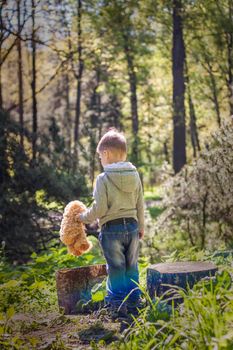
119 206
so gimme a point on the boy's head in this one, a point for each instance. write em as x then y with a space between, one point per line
112 147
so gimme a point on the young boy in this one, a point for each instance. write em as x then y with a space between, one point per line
119 207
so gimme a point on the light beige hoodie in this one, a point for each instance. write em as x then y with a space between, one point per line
117 194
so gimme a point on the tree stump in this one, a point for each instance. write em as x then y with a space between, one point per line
75 284
179 274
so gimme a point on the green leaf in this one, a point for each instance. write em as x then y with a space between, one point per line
10 284
98 296
10 312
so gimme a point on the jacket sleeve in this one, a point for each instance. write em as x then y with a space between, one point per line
140 207
99 206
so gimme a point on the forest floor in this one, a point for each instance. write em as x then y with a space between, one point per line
51 330
44 331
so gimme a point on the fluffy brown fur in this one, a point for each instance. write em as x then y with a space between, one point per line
72 230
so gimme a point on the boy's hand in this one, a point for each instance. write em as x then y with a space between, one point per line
141 234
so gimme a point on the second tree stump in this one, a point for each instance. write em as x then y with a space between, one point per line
177 274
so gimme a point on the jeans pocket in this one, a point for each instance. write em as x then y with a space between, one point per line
133 226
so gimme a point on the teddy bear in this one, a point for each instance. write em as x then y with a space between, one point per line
72 230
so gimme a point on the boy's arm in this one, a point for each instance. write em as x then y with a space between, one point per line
99 206
140 210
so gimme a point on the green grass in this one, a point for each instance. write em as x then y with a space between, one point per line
155 211
154 194
204 321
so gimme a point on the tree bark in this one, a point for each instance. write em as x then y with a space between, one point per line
75 284
165 151
192 116
178 56
20 77
3 148
33 86
214 91
1 42
230 74
79 85
133 97
1 99
230 59
67 120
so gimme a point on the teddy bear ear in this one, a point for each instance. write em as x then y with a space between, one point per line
72 250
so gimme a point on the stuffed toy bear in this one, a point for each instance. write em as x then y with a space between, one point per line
72 230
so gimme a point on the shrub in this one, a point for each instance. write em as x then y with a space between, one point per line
199 199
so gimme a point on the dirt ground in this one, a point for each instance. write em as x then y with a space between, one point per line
57 331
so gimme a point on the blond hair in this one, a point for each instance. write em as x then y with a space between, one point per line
114 140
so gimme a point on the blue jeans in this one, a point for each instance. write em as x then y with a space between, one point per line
120 246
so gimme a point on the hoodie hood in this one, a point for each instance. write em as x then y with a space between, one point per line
123 175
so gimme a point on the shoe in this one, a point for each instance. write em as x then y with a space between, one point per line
134 307
117 311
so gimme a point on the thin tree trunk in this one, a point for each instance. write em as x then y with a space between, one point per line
20 77
133 97
214 91
230 74
67 121
95 121
33 86
204 217
178 56
3 148
230 59
1 43
165 150
79 85
1 99
192 116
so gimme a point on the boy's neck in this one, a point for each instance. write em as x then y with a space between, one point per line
115 161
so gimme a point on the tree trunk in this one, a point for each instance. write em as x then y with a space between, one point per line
214 91
1 99
230 60
180 274
165 151
133 98
95 121
67 120
192 116
33 86
75 284
3 148
178 56
230 74
20 77
79 85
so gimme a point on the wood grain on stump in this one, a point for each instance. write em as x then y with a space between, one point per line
75 284
179 274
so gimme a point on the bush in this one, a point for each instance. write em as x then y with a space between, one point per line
199 199
27 226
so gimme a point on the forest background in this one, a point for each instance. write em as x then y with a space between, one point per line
160 71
